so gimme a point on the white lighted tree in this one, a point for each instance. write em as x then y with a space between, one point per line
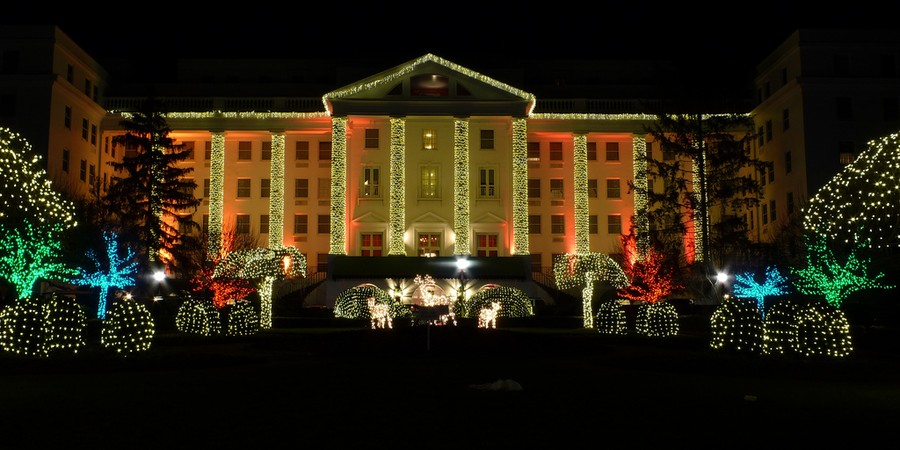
577 269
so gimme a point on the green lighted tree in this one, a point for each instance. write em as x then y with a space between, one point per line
119 271
826 276
29 253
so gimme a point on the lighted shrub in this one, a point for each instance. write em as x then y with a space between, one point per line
242 319
737 325
780 328
24 329
353 303
807 328
611 318
657 320
128 328
513 302
65 325
198 316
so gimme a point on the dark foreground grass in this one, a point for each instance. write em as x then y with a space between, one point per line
427 387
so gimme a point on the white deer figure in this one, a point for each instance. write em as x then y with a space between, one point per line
380 314
487 317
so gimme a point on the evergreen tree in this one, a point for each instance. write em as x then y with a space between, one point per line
150 196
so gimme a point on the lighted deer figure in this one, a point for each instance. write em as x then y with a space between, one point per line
380 314
487 318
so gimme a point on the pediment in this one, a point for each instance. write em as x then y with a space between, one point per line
371 217
489 218
430 217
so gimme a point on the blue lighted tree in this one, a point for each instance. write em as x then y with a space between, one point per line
120 272
746 286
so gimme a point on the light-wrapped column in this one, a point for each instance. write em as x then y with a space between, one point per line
520 186
580 181
216 192
338 185
276 192
461 186
641 186
397 206
701 221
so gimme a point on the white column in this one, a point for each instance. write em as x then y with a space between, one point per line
338 186
641 186
216 192
461 186
397 206
580 181
520 186
276 192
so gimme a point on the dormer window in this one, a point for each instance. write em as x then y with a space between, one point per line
430 86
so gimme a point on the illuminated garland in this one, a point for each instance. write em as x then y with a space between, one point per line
591 117
24 329
860 203
745 286
411 66
580 181
29 253
657 320
397 206
276 192
26 193
513 302
234 115
611 318
216 191
198 316
128 328
353 303
120 271
807 328
520 186
641 192
337 243
699 227
827 277
242 319
736 325
571 270
461 186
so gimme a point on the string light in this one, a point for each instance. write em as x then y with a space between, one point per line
591 117
780 328
657 320
353 303
128 328
611 318
380 314
745 286
276 192
572 269
513 301
736 325
198 316
461 186
29 253
397 206
520 186
24 331
216 191
582 236
487 317
242 319
265 115
337 244
119 272
808 329
701 215
641 192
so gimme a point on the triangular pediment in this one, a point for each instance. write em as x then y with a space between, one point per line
489 218
430 217
429 85
371 217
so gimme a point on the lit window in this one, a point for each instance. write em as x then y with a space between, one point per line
429 187
429 139
487 187
371 244
371 183
486 245
429 244
429 85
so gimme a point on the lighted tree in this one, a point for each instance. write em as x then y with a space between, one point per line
118 271
29 253
222 288
584 269
860 203
150 195
827 276
746 286
651 281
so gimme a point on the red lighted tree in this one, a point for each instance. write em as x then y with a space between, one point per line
223 289
650 281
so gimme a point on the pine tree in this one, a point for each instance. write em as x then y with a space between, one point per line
150 195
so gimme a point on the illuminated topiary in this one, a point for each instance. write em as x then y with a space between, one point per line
128 328
353 303
198 316
807 328
583 269
24 330
736 325
657 320
242 319
611 318
66 322
780 328
513 302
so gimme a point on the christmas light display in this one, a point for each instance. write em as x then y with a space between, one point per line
25 192
242 319
520 186
571 270
337 243
461 186
276 192
860 203
198 316
701 217
487 317
128 328
650 280
513 302
827 277
379 314
745 286
397 206
29 253
224 289
736 325
118 272
426 288
641 204
216 191
353 303
66 322
24 328
591 117
807 328
611 318
582 227
657 320
263 115
780 328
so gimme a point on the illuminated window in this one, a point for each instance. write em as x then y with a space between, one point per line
301 151
83 173
614 224
245 150
243 187
429 187
242 224
264 224
612 151
593 224
266 151
534 151
206 188
371 138
613 188
67 120
486 245
65 160
558 224
324 188
592 188
371 182
487 187
84 129
487 139
556 151
207 150
556 188
324 224
534 188
592 151
301 188
265 186
429 244
429 139
325 151
301 223
846 152
371 244
188 146
534 224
